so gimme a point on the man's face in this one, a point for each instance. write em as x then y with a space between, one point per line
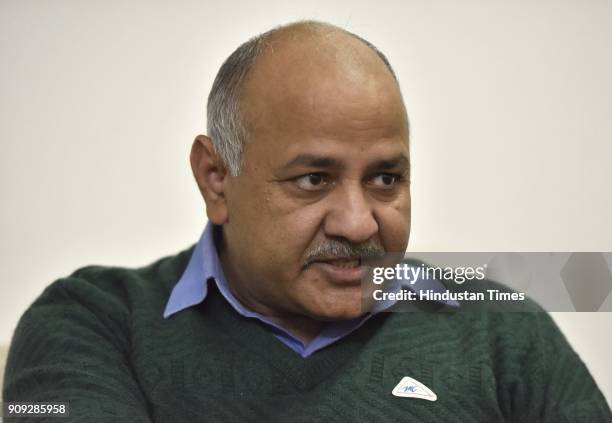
326 163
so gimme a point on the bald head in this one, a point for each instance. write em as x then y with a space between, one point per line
300 67
313 40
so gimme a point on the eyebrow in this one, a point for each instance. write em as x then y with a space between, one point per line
313 160
387 164
323 162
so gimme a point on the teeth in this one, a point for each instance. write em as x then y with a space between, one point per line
345 264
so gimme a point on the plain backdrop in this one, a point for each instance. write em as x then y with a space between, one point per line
509 101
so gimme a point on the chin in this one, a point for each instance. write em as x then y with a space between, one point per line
339 311
328 302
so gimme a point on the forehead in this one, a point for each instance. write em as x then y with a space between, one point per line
334 87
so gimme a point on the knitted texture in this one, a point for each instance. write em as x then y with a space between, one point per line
97 340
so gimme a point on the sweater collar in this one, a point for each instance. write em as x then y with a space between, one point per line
204 267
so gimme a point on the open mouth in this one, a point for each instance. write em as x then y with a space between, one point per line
345 263
344 270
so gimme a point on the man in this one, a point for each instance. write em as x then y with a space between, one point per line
305 173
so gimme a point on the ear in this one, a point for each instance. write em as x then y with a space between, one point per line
211 174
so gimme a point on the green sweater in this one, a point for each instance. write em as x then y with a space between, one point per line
97 340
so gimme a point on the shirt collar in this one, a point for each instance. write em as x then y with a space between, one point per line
204 264
192 287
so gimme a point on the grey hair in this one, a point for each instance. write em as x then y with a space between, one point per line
225 125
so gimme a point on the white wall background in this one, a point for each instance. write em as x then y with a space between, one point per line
510 105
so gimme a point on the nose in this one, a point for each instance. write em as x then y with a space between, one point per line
351 216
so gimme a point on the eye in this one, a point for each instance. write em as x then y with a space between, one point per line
385 180
311 182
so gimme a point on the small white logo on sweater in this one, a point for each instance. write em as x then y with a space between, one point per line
412 388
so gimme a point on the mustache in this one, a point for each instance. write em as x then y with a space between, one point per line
341 248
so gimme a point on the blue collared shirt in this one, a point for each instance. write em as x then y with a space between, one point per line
204 266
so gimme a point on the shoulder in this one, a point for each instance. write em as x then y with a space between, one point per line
507 325
101 289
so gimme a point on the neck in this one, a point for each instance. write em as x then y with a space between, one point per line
301 327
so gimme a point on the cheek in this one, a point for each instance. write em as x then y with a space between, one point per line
295 232
281 232
394 225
